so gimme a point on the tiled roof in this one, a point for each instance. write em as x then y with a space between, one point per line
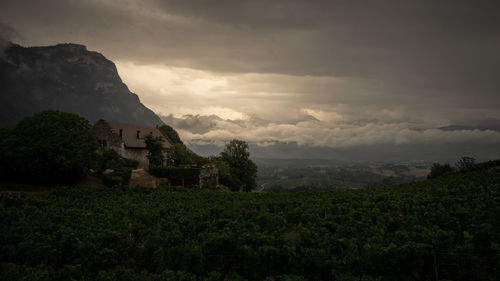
133 135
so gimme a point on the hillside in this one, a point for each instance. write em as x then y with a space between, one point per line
447 227
69 78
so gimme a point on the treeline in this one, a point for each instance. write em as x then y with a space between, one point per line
236 170
465 164
446 228
59 148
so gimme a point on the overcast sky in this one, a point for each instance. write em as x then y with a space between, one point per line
311 72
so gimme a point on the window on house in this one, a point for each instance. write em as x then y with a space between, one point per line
121 133
138 134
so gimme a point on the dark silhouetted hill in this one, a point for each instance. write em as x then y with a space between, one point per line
66 77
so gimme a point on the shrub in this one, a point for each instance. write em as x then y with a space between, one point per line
50 147
438 170
120 176
110 159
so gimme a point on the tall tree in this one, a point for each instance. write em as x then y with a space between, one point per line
180 155
154 145
438 170
242 169
50 147
171 134
465 163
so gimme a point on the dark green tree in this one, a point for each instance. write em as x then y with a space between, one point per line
154 145
224 173
7 141
109 159
51 147
439 170
465 163
181 155
171 134
242 170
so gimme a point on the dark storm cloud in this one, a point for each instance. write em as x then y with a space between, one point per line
379 39
376 67
414 40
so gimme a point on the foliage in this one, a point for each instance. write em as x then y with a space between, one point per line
171 134
119 177
110 159
154 145
181 155
122 168
242 170
129 163
483 166
50 147
438 170
175 173
224 172
7 141
465 163
386 233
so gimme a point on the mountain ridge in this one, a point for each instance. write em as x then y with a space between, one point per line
66 77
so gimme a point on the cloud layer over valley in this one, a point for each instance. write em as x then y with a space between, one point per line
326 74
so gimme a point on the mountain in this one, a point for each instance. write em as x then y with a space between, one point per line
66 77
490 127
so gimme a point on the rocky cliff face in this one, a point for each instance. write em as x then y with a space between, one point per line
66 77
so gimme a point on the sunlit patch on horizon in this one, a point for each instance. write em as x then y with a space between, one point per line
161 76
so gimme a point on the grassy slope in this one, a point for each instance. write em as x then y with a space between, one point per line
390 233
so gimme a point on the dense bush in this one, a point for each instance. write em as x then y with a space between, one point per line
181 155
464 165
154 145
242 170
438 170
118 177
50 147
121 168
449 224
110 159
171 134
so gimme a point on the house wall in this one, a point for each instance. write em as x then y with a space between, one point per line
112 139
104 133
139 154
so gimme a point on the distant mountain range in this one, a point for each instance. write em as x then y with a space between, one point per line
66 77
490 127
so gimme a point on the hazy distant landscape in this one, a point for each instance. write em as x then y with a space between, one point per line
321 175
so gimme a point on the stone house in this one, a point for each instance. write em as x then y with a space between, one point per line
127 139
